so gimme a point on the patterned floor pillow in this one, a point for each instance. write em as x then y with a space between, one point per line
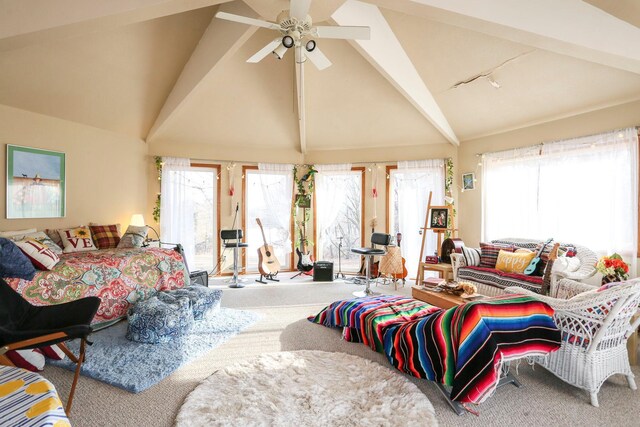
158 320
203 300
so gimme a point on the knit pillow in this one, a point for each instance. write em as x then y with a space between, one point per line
13 263
105 236
134 237
41 256
77 239
489 254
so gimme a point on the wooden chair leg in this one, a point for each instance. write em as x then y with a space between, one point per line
68 352
80 360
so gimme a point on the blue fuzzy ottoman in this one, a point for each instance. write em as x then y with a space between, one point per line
157 320
203 300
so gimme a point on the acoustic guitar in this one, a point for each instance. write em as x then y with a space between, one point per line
268 264
404 273
534 266
546 281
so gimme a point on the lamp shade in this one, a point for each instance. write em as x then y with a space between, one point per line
137 220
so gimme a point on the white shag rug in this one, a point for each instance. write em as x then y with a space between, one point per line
305 388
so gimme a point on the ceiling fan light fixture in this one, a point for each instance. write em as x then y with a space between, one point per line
310 46
280 51
288 42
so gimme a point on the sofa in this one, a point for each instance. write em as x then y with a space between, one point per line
119 277
492 282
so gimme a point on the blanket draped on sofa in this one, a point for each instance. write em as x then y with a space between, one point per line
462 347
119 277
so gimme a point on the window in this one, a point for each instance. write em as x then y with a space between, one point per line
339 207
189 210
582 191
409 187
268 195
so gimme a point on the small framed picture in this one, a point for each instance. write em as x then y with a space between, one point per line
468 181
439 217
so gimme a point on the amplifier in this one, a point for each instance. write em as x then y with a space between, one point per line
323 271
199 277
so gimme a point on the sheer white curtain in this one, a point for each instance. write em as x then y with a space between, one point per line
582 190
412 182
176 208
276 182
331 184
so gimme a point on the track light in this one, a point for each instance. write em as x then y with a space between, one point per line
288 42
310 46
280 51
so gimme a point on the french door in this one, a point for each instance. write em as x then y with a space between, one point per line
338 217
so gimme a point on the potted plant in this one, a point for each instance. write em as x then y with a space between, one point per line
613 269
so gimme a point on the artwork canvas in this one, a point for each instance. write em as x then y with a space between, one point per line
439 217
468 181
35 183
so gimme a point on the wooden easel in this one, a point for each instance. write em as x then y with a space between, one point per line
439 232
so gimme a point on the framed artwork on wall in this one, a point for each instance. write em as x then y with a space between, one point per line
468 181
35 183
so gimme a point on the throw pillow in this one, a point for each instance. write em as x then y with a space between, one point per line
41 237
513 262
31 360
13 263
471 256
134 237
41 256
77 239
105 236
53 352
12 234
489 253
55 236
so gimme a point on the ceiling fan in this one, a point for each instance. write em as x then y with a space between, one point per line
296 31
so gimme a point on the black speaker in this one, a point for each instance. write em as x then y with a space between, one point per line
199 277
323 271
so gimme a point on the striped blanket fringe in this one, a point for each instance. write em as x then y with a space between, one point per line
463 347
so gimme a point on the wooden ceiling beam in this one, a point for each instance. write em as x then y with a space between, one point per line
573 28
385 53
23 23
220 41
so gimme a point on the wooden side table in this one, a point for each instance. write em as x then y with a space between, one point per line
439 299
445 271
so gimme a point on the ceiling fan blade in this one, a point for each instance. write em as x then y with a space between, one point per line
264 51
335 32
319 59
248 21
299 9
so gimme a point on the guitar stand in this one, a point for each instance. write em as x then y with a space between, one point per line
340 274
271 277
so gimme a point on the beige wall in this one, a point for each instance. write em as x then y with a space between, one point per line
106 172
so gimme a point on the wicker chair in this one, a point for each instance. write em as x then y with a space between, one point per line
595 327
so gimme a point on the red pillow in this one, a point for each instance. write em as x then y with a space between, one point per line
489 253
31 360
53 352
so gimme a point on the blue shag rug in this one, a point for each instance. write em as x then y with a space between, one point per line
135 367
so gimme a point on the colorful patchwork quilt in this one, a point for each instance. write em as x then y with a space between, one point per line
462 347
118 276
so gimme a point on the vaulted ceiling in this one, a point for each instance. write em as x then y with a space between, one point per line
434 71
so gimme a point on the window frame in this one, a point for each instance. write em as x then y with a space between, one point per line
217 168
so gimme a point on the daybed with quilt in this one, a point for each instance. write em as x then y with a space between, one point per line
471 265
119 277
463 347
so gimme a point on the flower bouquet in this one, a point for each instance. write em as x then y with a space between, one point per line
612 268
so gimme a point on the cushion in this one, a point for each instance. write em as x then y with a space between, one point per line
77 239
489 253
202 300
511 262
41 256
13 263
53 352
41 237
12 234
134 237
158 320
471 256
105 236
499 279
55 236
31 360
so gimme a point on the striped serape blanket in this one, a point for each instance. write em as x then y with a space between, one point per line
462 347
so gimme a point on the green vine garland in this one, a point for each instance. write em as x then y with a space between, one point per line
303 198
448 192
156 208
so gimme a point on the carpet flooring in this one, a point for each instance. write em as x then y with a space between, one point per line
544 399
